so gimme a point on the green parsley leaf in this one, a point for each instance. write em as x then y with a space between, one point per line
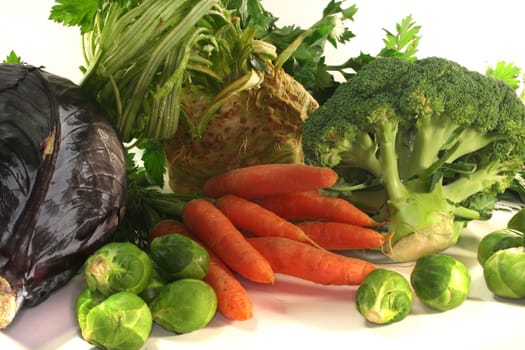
404 42
252 14
75 13
12 58
508 72
306 61
154 162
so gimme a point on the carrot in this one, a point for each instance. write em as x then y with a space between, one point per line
232 298
167 226
316 206
251 217
341 236
213 228
301 260
269 179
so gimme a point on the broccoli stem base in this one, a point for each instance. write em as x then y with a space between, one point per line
421 224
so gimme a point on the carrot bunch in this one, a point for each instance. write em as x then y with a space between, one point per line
269 219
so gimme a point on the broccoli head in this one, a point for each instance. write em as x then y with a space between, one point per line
424 145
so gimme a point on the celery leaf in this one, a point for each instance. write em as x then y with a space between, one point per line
75 13
12 58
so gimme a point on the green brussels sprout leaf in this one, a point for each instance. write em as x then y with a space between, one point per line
116 267
517 221
504 273
440 281
498 240
384 297
178 257
155 285
86 301
184 305
122 321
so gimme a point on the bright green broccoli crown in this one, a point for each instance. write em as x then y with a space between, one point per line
441 113
342 131
439 140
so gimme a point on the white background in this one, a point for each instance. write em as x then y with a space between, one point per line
474 33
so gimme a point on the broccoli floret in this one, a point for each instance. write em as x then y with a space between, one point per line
426 145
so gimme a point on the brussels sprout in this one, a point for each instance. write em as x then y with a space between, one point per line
497 240
155 285
504 273
116 267
178 257
86 301
122 321
440 281
517 221
384 297
184 305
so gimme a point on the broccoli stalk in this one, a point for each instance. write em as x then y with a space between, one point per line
422 221
425 146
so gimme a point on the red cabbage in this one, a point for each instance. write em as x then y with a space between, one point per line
62 184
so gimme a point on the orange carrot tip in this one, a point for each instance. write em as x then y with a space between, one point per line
233 300
312 205
269 179
252 218
301 260
342 236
